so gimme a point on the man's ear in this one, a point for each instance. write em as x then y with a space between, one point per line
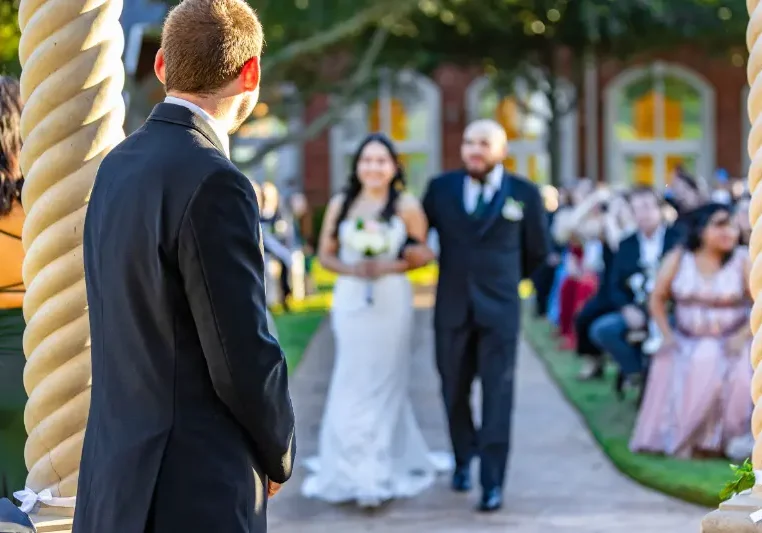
250 75
159 67
502 151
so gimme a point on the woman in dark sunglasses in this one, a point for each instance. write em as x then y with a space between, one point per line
697 399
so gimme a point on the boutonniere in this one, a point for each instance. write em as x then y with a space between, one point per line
513 210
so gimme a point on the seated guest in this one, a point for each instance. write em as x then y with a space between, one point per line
579 286
276 223
686 194
618 223
635 261
567 218
697 396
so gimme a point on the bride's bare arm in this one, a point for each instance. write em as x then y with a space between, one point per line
328 245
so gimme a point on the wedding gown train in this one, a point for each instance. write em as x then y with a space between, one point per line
371 448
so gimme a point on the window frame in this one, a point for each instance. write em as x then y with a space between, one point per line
522 149
617 150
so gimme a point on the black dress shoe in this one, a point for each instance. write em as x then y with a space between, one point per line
461 479
492 500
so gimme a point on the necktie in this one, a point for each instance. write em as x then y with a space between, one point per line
481 204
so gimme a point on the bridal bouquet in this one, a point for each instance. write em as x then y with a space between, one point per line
370 238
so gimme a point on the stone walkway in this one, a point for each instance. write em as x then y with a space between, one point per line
558 478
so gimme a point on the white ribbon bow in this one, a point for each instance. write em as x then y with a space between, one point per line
30 498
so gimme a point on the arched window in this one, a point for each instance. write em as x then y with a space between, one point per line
658 117
407 109
277 116
525 113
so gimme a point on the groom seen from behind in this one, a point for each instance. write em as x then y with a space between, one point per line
492 234
191 425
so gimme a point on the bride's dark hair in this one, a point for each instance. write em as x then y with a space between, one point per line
353 188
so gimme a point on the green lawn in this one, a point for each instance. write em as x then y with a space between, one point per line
295 330
611 422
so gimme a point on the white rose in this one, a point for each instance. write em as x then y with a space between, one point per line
358 240
376 243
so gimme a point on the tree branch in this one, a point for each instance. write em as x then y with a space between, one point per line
353 25
356 83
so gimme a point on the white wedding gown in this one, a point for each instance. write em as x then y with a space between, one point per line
371 448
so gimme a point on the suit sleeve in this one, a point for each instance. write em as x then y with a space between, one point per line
428 204
535 237
223 273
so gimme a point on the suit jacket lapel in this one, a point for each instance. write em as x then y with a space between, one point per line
182 116
495 207
459 191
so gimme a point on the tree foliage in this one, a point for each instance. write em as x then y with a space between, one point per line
337 47
9 37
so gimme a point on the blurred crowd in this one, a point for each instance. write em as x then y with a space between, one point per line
288 242
656 286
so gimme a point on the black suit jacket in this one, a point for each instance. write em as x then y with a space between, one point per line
482 261
626 263
190 411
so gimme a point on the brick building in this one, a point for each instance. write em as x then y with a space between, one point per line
633 123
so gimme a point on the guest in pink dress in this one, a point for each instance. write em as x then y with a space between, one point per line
697 397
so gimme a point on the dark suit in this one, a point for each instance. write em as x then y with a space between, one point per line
476 318
626 263
609 331
190 411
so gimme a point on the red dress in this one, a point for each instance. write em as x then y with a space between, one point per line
575 291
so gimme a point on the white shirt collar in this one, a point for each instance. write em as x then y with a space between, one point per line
651 247
473 188
217 127
657 235
493 180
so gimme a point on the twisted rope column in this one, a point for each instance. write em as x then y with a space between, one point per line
741 514
71 82
754 73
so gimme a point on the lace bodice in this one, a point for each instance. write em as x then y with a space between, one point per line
711 305
396 237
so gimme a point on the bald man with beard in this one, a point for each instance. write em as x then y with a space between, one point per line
492 234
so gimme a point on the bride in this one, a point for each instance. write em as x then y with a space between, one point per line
370 448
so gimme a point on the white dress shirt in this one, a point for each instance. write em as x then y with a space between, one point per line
217 127
651 248
473 188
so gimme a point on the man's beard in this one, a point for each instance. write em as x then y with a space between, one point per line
481 175
245 108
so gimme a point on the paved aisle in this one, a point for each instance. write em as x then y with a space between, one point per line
558 479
